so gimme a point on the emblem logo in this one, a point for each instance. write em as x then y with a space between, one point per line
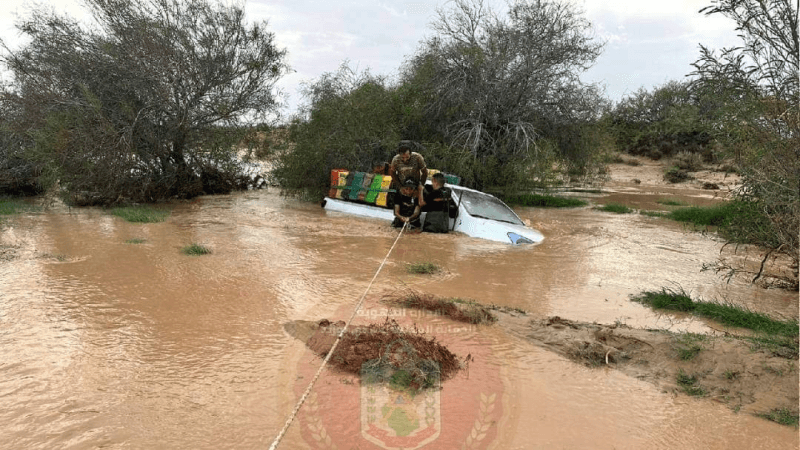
396 412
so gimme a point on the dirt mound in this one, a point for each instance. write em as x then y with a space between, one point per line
380 349
726 369
456 309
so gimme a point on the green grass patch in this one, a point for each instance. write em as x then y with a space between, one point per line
9 206
783 346
135 241
778 336
544 201
783 416
731 315
688 345
615 208
715 216
140 214
688 384
423 268
668 202
737 221
195 250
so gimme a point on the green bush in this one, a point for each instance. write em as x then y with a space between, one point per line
676 175
783 416
196 250
423 268
351 125
615 208
661 122
739 221
106 130
668 202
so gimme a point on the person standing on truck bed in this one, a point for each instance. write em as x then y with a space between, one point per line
408 165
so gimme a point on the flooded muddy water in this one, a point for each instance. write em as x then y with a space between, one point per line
110 344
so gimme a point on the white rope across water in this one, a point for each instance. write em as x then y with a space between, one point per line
330 352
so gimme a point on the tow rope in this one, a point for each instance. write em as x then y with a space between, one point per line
330 352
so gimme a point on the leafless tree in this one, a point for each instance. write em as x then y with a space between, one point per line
495 84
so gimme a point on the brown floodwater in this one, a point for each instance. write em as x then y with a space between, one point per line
108 344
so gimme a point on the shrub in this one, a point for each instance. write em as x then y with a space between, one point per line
688 384
687 160
195 250
676 175
423 268
615 208
783 416
668 202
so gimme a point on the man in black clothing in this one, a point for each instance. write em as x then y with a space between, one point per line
439 205
406 205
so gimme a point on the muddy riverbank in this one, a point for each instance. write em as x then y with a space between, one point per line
717 367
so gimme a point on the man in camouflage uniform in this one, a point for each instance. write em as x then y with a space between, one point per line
408 165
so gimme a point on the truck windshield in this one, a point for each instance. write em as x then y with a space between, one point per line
488 207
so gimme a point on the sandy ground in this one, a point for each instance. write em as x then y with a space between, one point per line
727 369
645 172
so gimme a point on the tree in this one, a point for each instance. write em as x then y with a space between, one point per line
141 104
755 90
349 121
661 122
495 86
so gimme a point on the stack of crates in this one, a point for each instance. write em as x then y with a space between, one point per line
370 188
374 188
386 183
355 185
362 194
360 186
338 182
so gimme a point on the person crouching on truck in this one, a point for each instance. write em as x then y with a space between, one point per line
406 206
439 206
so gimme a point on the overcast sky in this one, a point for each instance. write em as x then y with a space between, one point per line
647 43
